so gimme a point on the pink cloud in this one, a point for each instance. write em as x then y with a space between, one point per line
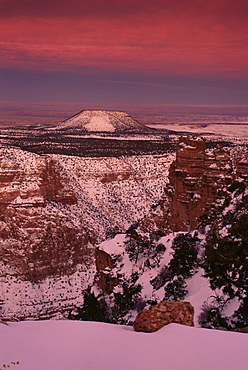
182 38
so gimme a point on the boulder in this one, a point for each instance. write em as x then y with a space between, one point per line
162 314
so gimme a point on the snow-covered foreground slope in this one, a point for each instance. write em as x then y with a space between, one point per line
67 345
198 286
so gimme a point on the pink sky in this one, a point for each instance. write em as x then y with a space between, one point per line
159 43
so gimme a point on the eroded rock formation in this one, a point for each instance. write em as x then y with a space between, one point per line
104 266
162 314
54 209
195 177
32 185
37 239
242 167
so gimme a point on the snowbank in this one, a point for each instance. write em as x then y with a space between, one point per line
69 345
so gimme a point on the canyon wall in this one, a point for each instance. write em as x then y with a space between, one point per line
195 177
54 210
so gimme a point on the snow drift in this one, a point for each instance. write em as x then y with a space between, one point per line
65 345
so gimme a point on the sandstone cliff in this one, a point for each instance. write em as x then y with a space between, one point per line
194 180
36 238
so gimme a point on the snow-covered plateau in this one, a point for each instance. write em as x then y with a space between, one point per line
238 132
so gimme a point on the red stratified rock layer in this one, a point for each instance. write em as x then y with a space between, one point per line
195 177
37 237
242 167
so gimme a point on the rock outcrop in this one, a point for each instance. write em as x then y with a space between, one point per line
104 266
242 167
32 185
37 239
194 180
162 314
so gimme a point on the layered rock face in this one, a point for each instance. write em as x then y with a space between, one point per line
162 314
40 240
195 177
54 209
36 238
242 167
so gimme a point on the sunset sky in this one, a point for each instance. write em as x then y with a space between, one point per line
130 52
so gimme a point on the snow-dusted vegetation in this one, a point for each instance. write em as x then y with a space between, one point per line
115 192
207 266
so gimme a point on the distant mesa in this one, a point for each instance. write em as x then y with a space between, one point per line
92 121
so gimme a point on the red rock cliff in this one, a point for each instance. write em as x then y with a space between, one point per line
37 237
194 179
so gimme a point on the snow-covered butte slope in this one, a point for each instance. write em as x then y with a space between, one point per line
102 121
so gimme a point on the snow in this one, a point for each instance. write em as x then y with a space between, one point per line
230 131
167 241
71 345
114 246
232 306
117 138
111 192
199 291
27 201
26 299
99 124
100 121
213 166
184 146
196 196
114 191
198 287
